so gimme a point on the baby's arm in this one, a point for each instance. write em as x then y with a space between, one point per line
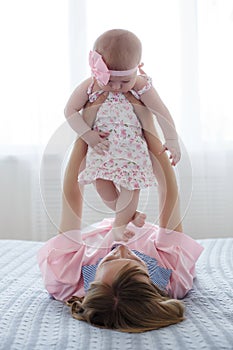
152 100
75 104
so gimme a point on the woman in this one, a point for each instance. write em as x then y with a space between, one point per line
129 287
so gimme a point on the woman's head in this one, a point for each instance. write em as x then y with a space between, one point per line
123 297
115 261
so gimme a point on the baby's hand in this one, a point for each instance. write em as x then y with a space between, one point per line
174 148
97 141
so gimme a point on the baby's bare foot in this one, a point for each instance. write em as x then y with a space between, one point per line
122 234
139 219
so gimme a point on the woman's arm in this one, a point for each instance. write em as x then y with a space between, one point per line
72 196
169 210
71 216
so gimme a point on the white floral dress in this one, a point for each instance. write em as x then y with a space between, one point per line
127 162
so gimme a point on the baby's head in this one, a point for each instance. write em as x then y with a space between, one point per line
120 49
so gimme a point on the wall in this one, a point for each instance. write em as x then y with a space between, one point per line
208 213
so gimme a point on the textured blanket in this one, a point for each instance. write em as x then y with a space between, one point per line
31 320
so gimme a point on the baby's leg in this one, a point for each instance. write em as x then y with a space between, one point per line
139 219
126 206
109 194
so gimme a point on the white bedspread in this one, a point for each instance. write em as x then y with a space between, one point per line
31 320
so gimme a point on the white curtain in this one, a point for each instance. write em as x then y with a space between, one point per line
187 49
34 87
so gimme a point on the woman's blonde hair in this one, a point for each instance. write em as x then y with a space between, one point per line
128 305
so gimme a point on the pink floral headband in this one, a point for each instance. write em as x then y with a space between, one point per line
100 70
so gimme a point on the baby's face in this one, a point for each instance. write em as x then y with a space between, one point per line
120 84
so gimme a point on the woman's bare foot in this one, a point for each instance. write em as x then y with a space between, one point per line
122 233
139 219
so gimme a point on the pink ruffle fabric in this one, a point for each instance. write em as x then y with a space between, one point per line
62 257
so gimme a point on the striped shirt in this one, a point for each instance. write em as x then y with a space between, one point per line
159 275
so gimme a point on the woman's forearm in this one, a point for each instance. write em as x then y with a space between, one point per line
169 208
72 197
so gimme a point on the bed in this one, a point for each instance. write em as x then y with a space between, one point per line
31 320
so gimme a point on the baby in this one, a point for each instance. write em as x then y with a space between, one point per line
116 102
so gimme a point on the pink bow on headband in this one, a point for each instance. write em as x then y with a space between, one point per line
98 67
